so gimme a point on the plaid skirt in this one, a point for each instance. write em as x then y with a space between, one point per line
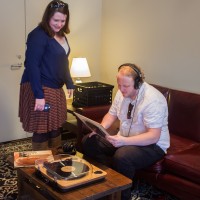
40 121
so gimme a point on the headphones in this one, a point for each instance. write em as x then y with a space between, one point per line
138 80
68 148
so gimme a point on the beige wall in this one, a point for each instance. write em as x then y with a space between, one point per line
162 36
85 36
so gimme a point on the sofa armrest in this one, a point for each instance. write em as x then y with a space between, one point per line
95 113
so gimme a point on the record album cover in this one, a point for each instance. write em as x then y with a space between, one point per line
28 158
92 125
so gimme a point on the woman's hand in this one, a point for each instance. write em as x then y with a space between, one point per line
39 104
70 92
117 140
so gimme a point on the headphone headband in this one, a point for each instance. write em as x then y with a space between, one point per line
132 66
138 79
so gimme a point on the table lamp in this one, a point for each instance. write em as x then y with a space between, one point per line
79 69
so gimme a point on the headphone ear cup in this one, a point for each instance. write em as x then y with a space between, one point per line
137 83
69 148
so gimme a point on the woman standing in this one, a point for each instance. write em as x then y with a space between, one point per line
46 71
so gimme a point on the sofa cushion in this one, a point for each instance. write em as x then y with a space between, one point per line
178 143
185 163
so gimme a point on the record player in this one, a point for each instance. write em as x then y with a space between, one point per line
66 172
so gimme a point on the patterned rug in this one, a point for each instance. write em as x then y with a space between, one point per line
8 176
144 191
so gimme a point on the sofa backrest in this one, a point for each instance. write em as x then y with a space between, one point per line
184 114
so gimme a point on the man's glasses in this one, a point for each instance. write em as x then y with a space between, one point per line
57 4
130 108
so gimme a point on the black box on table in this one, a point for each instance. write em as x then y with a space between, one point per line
92 94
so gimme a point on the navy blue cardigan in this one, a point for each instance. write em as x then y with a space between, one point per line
46 63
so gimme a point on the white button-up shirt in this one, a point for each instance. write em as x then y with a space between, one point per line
150 111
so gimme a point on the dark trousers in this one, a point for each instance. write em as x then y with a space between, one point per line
126 160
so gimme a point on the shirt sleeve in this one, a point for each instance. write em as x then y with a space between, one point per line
36 44
69 83
68 79
154 114
114 109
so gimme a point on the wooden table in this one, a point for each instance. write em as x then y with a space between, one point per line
32 188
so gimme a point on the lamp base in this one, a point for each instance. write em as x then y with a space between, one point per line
78 80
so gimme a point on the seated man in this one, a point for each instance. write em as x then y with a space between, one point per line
143 137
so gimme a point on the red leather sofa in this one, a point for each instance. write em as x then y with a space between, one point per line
178 173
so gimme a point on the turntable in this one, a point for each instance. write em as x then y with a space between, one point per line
67 172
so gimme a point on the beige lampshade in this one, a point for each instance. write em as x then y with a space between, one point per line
80 68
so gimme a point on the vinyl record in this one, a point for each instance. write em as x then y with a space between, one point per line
67 169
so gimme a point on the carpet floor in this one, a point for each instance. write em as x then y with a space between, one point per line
8 176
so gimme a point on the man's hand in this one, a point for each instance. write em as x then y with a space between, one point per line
70 92
117 140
